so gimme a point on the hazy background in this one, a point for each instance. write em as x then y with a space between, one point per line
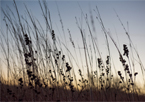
132 12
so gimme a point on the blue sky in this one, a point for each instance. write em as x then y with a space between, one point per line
132 12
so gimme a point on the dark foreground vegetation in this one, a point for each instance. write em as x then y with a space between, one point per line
16 93
40 67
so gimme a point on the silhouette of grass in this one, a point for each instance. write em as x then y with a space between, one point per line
38 69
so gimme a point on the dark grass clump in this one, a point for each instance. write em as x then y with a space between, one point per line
50 94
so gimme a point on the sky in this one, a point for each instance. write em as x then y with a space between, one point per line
131 13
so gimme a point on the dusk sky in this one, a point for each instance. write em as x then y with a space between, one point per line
129 11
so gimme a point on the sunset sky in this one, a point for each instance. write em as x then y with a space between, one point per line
130 12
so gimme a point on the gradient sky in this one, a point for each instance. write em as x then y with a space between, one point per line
132 12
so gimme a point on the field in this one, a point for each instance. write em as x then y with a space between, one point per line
40 66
